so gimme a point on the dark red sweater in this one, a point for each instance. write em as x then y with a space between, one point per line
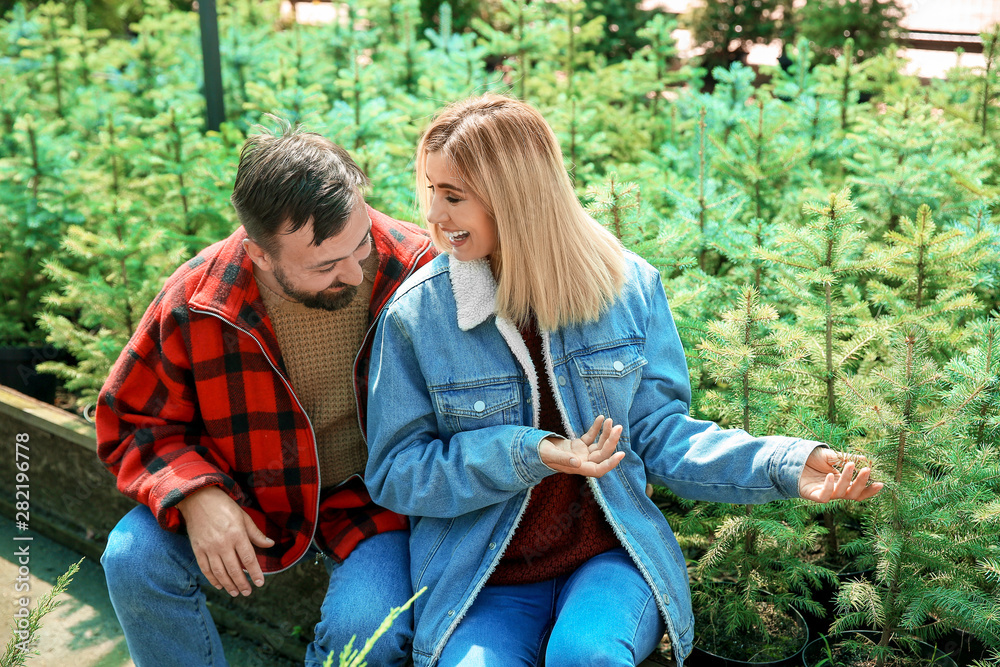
563 526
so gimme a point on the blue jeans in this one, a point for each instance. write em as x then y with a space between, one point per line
601 614
156 589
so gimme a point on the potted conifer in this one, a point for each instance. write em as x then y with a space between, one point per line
929 555
748 586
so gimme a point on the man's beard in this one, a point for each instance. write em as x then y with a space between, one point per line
323 300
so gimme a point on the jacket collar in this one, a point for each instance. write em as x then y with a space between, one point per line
475 291
227 287
400 246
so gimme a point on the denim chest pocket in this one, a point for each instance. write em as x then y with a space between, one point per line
467 408
612 377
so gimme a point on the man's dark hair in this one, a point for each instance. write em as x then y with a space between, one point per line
289 176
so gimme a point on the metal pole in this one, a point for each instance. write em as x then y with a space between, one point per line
215 112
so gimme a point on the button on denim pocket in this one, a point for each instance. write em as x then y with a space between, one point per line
611 377
469 407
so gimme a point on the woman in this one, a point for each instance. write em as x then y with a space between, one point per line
525 386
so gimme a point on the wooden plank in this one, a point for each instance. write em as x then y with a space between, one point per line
47 417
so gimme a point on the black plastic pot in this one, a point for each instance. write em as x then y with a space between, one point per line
963 647
827 597
17 370
929 656
701 658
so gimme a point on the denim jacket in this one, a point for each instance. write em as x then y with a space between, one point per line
453 440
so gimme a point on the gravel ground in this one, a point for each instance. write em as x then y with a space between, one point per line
84 631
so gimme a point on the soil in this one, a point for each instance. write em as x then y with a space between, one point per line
780 637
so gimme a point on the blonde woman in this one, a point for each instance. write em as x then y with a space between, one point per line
525 386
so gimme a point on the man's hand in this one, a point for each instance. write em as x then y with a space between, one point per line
821 481
222 537
591 455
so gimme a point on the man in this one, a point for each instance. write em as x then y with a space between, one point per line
232 415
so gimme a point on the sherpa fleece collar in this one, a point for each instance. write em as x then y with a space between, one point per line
475 291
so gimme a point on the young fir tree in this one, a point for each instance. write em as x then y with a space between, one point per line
617 205
161 67
564 86
932 282
873 25
760 547
909 157
972 382
762 161
990 82
402 55
886 79
842 82
728 102
279 92
114 265
624 109
707 208
926 555
389 133
981 220
453 67
813 118
965 92
50 48
36 208
819 262
243 40
516 36
17 74
340 38
185 198
797 78
663 69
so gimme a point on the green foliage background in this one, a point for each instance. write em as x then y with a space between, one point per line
816 249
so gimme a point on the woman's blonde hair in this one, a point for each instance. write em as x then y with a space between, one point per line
552 259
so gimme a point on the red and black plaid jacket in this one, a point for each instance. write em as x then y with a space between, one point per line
200 397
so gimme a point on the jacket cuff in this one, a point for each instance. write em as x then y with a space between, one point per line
178 484
527 461
789 461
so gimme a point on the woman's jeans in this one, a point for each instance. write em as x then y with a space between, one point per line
601 614
156 589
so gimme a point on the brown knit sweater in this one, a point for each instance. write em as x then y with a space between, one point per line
563 526
318 348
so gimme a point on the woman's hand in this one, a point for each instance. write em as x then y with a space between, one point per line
822 482
591 455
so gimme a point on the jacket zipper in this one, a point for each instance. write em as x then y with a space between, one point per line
601 500
312 431
309 421
517 520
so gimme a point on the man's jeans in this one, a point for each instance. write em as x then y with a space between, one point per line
155 586
601 614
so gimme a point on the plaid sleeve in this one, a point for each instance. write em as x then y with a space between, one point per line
149 433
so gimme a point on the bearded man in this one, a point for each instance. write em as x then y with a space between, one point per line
234 415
